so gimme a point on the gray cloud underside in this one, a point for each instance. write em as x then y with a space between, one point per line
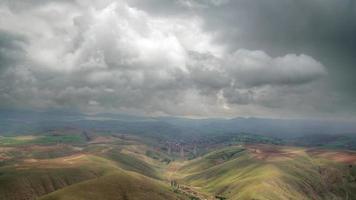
323 29
191 58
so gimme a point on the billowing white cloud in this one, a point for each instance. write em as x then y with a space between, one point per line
256 68
110 56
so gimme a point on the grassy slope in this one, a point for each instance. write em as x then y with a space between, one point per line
243 175
81 177
44 139
27 178
116 170
132 163
34 178
135 178
116 186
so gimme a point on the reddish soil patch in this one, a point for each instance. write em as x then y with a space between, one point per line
6 149
339 156
61 162
102 139
44 148
3 157
271 152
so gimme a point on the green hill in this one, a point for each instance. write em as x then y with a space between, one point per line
32 178
116 186
124 168
269 173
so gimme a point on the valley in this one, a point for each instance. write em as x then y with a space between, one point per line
177 100
75 164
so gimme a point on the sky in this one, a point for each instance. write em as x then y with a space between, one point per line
195 58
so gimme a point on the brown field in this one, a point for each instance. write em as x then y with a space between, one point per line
335 155
63 162
102 139
272 152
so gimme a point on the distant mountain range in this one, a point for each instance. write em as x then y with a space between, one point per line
24 121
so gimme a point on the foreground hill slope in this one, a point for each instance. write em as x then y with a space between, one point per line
115 166
32 178
116 186
80 176
106 166
268 172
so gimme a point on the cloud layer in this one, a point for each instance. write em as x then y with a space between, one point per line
116 56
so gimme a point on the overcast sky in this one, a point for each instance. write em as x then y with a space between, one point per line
197 58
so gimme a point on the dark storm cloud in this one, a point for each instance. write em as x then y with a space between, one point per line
11 49
258 24
183 57
323 29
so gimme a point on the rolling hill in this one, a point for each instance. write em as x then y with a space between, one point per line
71 164
268 172
116 186
113 168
